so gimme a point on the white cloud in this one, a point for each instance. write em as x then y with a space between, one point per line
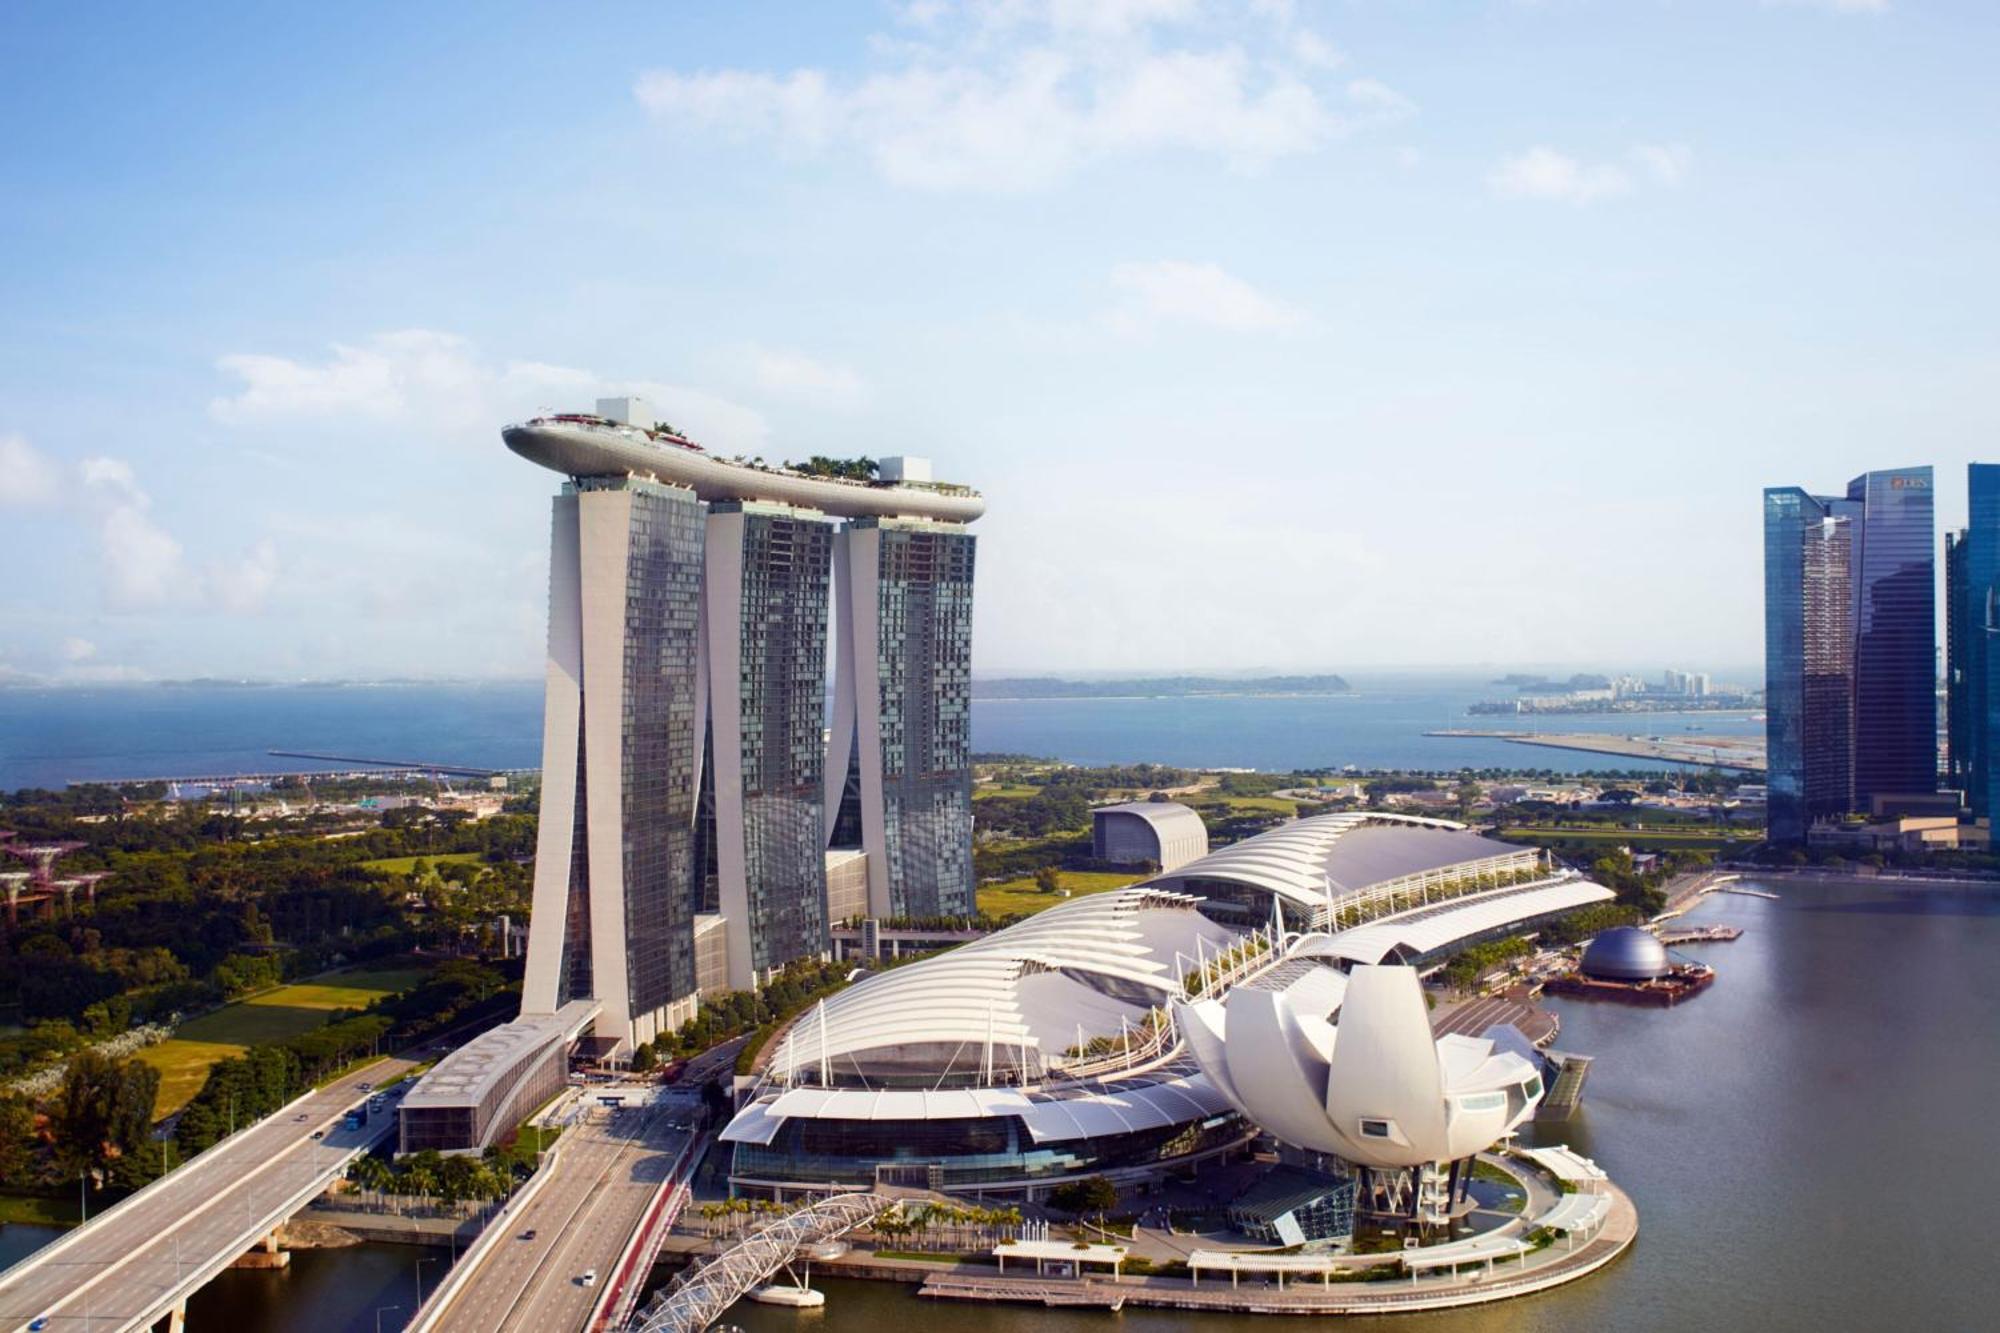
27 477
145 566
1191 293
1544 173
437 385
383 378
142 562
1014 96
797 375
242 586
1667 164
77 650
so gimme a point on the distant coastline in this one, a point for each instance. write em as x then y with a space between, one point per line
1159 687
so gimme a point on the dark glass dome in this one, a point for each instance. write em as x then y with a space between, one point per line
1625 954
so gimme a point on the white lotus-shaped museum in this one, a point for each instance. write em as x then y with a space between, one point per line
1375 1089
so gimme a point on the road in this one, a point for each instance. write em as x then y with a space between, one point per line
163 1242
605 1174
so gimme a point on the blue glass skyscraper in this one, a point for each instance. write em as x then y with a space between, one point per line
1895 635
1973 615
1808 659
1850 647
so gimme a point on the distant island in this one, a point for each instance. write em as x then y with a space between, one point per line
1154 687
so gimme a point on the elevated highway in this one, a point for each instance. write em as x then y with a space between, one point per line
136 1263
593 1191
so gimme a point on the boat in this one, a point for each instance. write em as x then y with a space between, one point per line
798 1298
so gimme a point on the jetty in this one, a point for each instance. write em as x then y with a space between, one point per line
1739 753
1700 934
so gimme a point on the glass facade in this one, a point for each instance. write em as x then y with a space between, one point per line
1974 611
1957 676
996 1150
1808 659
1895 634
787 563
660 738
924 663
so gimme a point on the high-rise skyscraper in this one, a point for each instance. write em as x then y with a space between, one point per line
1850 647
1808 660
684 749
614 855
900 781
768 568
1972 617
1895 635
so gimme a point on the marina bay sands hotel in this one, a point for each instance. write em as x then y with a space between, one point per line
703 821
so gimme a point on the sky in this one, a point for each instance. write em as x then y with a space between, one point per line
1280 336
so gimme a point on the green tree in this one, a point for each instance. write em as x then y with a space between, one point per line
1048 879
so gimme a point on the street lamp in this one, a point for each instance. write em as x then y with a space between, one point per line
420 1279
381 1310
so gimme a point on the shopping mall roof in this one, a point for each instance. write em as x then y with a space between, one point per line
1311 859
1088 965
1416 934
464 1077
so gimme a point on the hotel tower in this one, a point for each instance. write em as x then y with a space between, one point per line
694 794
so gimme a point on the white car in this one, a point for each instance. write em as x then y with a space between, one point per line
589 1278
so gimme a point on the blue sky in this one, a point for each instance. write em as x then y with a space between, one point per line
1293 336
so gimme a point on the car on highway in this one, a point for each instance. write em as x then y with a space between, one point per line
589 1278
529 1234
363 1087
319 1133
36 1325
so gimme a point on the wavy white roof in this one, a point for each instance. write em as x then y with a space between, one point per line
1307 859
1032 984
1426 929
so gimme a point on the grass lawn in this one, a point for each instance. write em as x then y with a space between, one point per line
184 1059
1001 791
1021 895
403 865
1238 805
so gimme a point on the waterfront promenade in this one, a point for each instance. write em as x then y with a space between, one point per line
1546 1268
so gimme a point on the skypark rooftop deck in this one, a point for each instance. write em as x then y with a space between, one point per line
582 445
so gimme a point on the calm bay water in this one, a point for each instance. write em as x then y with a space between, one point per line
50 737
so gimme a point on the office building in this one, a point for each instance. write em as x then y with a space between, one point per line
1849 648
685 776
1895 636
1972 588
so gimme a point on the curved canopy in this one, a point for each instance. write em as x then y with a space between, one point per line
1308 860
1087 964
